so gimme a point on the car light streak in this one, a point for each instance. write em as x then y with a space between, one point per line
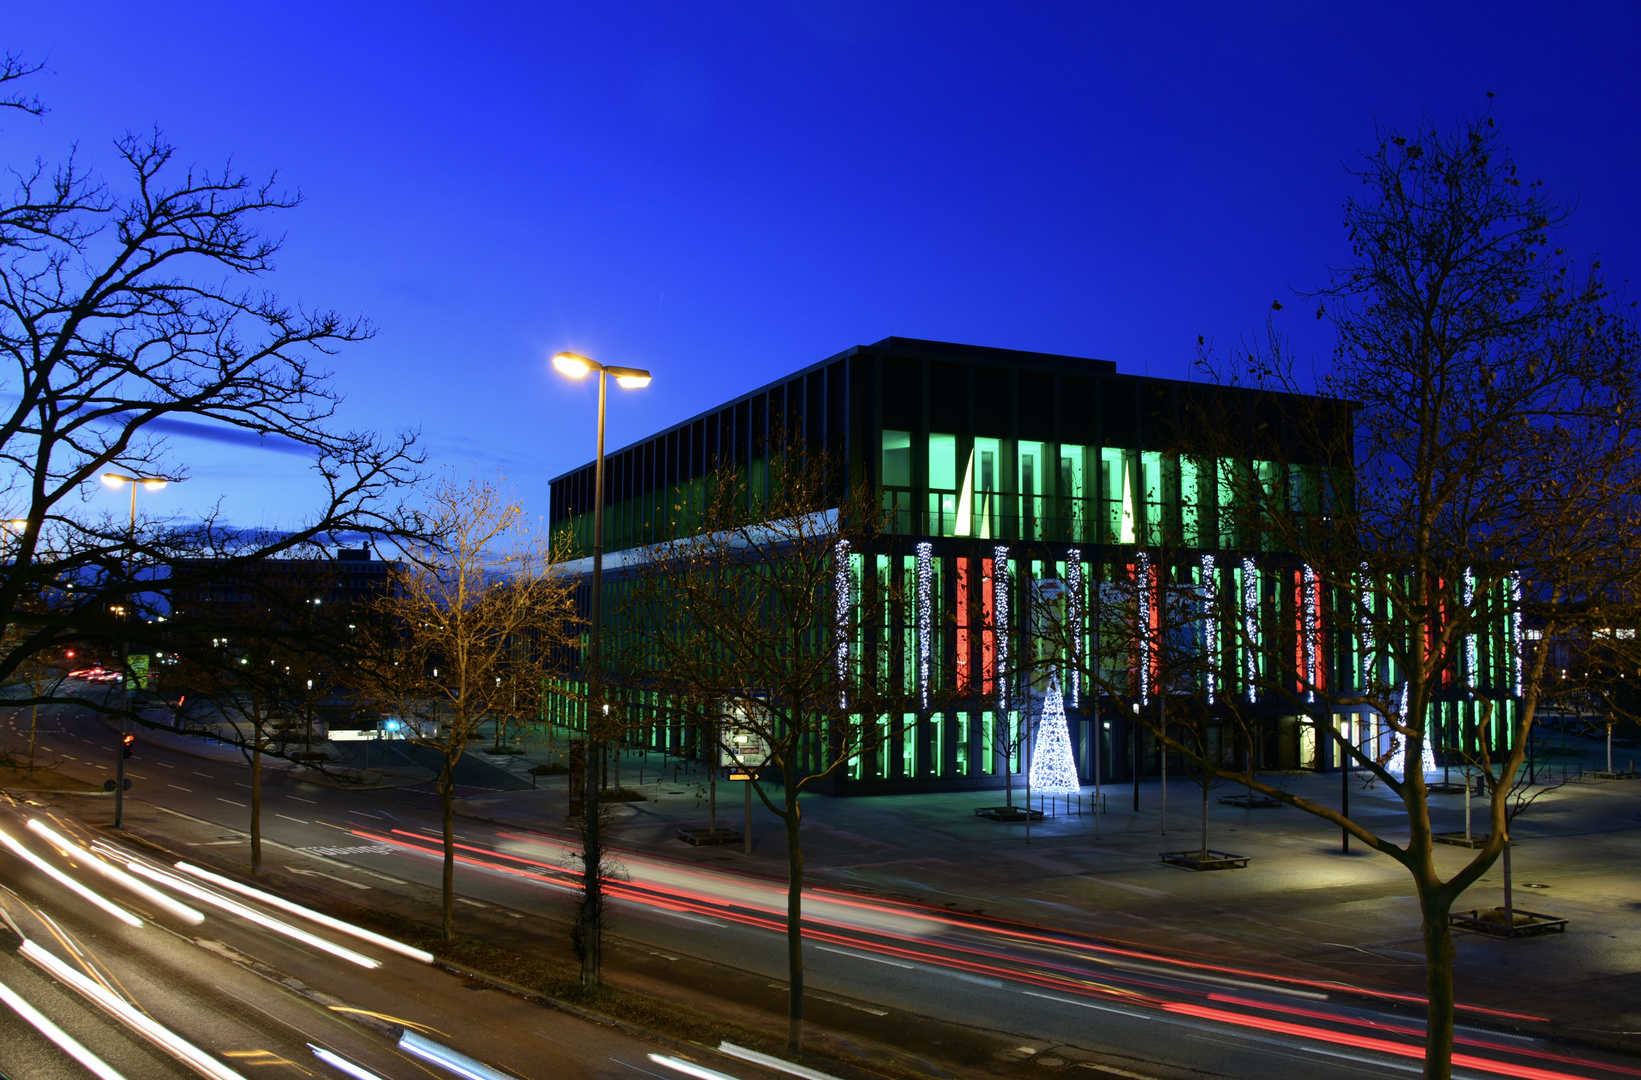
307 913
278 926
342 1064
689 1068
989 960
446 1058
118 876
69 883
1362 1042
63 1040
154 1032
1410 1030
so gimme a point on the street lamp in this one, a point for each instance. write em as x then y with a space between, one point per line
149 483
576 367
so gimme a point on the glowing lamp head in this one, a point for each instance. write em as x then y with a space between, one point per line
573 365
632 382
113 480
154 484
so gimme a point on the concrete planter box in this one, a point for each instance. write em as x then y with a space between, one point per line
1457 839
707 837
1250 802
1205 860
1008 813
1491 921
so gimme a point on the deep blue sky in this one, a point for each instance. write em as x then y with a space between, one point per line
725 192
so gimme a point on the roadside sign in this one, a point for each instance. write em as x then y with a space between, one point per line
743 749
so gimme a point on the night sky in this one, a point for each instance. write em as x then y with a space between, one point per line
723 193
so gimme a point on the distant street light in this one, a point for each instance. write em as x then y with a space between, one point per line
149 483
577 366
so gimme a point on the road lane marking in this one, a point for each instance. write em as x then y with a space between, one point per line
1090 1005
230 802
298 798
298 820
179 787
807 993
163 765
207 775
864 956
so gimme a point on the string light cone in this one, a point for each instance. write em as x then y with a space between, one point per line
1053 769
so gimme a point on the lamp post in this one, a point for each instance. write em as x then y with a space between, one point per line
150 483
576 367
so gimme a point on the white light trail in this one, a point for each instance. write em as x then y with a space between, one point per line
65 1042
188 888
118 876
451 1060
342 1064
67 882
689 1068
307 913
123 1011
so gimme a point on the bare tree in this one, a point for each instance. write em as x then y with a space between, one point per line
132 308
476 621
1476 453
256 661
756 617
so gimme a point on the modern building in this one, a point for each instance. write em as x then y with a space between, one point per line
1009 476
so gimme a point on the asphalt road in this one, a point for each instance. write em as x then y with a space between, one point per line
1055 988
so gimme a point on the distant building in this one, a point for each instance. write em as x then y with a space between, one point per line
221 588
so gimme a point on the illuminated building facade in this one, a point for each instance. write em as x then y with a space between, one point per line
1013 483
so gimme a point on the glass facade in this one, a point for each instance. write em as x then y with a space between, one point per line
1007 478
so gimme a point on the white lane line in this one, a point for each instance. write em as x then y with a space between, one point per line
298 820
230 802
298 798
179 787
1089 1005
163 765
679 915
865 956
207 775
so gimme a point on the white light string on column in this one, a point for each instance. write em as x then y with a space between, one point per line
1000 605
1074 578
1210 629
925 620
1142 581
841 587
1250 624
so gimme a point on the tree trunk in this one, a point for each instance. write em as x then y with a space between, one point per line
1509 900
794 919
1205 819
256 805
447 797
1609 748
1438 946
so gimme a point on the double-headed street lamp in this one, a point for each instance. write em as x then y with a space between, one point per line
576 367
149 483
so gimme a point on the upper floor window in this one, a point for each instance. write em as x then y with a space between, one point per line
897 459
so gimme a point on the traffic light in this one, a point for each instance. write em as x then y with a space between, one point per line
128 741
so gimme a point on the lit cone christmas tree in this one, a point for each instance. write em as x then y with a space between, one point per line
1053 769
